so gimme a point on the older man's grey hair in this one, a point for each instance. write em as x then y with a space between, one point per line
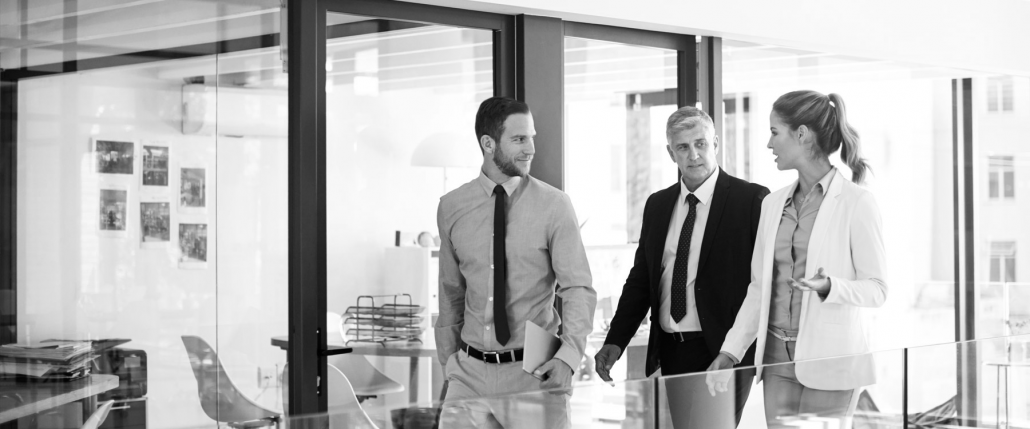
686 118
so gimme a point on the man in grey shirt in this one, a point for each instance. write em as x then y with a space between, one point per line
506 241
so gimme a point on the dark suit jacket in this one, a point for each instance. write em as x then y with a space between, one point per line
723 272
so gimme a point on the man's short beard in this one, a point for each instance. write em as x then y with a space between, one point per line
507 166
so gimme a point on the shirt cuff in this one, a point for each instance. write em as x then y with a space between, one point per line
731 356
570 356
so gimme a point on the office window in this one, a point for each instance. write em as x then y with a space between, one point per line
736 136
999 94
1001 178
617 99
1003 261
917 227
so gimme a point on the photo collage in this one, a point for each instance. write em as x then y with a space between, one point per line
117 167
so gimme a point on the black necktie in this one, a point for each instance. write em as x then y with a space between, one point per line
500 269
679 271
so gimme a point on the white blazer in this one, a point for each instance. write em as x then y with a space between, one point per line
847 242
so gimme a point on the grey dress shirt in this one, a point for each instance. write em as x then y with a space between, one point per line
791 253
543 247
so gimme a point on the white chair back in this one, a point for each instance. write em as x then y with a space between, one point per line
97 418
344 410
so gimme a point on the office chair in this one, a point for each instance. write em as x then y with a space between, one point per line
344 409
97 418
219 396
367 381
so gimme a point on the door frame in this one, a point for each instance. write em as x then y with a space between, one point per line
306 48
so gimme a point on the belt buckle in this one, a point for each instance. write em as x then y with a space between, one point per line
496 357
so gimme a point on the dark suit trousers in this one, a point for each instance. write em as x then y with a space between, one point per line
690 403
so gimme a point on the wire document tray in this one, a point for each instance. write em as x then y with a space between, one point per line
383 318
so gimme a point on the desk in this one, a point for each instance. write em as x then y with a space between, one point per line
38 397
635 355
410 349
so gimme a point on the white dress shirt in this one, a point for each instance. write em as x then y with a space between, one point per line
690 322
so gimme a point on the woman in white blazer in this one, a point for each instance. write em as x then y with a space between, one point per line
818 260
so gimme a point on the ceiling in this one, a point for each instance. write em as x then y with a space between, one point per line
38 32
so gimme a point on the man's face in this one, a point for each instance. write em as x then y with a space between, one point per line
694 151
514 152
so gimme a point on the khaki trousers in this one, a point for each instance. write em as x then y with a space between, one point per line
786 398
484 395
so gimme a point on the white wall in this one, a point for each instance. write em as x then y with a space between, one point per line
986 35
74 283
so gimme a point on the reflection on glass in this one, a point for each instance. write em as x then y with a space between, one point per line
401 102
904 115
152 202
617 100
933 396
905 143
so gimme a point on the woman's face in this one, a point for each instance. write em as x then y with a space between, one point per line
785 145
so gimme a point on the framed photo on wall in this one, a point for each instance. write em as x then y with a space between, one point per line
192 189
113 213
155 224
155 166
114 156
193 245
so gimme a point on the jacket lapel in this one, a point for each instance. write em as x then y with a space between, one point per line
719 197
660 229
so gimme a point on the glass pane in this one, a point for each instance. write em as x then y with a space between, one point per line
918 229
1009 179
151 204
1002 226
1006 94
937 386
401 101
617 99
992 184
993 87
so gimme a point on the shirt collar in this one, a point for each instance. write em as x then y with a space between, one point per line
825 181
703 192
488 185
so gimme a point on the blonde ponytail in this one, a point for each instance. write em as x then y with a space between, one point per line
827 118
850 149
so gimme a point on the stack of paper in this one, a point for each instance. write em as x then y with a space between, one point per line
49 360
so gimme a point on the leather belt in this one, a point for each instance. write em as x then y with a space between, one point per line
682 337
784 338
506 356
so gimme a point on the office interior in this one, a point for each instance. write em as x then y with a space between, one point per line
183 187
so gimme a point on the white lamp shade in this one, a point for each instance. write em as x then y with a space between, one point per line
447 149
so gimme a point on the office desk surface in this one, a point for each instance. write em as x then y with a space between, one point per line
427 348
37 397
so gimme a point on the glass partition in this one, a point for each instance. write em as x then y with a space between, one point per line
903 113
401 102
617 99
914 387
151 213
1000 108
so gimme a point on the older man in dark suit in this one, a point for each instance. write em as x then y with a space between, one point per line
691 271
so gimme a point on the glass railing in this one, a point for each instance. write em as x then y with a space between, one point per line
983 383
